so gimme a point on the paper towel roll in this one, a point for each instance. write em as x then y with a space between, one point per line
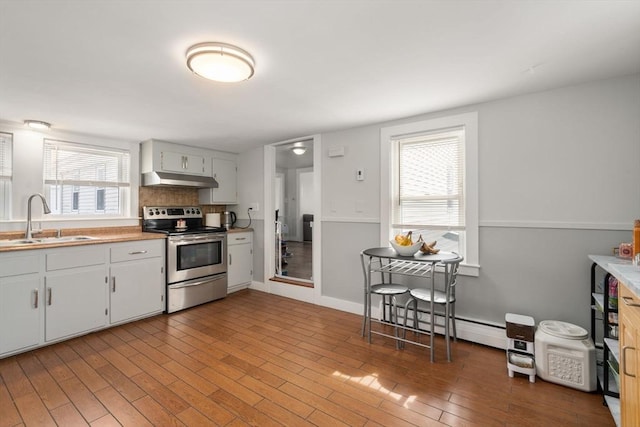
212 220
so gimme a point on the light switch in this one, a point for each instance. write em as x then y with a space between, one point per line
360 175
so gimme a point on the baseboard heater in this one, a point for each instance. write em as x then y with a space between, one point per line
468 329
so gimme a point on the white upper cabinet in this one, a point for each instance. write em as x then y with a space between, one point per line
182 163
226 175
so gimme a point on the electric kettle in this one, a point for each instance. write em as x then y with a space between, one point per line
228 219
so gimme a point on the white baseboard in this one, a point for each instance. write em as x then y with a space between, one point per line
474 331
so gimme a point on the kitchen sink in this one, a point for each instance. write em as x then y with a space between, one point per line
45 240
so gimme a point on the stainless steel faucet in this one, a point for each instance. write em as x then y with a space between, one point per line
45 207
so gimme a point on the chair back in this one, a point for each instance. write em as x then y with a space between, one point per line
451 268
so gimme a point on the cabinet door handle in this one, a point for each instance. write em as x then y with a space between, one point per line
137 252
49 296
230 259
113 284
624 360
35 298
630 304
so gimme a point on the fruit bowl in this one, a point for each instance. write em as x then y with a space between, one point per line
406 250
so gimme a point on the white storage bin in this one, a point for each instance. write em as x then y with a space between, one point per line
565 355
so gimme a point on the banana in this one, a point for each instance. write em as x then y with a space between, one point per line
403 240
428 248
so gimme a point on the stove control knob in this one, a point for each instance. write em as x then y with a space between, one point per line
198 211
150 213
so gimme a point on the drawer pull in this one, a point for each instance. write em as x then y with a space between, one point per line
630 304
137 252
624 360
240 238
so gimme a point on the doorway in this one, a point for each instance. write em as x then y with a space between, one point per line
294 202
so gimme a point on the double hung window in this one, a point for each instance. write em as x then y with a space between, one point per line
6 173
86 180
429 175
429 190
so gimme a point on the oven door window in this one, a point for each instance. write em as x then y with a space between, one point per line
196 255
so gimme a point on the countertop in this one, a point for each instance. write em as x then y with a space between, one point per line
102 235
622 269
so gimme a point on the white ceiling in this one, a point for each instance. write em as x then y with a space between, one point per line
116 68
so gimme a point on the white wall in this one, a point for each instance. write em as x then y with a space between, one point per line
559 175
251 190
28 177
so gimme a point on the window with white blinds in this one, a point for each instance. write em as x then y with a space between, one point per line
429 184
430 190
86 180
6 173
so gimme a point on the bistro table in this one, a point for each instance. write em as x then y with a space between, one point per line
420 265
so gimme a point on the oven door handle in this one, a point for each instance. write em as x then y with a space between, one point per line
201 239
196 283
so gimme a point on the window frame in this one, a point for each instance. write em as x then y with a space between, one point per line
6 177
125 188
468 121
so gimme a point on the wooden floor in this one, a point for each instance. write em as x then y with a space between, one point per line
299 265
259 359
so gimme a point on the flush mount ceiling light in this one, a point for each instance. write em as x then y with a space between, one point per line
299 150
37 124
220 62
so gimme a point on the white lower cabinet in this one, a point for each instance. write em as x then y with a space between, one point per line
20 302
75 298
137 269
48 295
240 260
75 301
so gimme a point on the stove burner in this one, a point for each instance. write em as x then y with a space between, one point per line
162 219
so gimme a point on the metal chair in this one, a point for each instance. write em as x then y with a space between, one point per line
444 298
386 291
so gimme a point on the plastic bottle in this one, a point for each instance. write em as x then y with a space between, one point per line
636 238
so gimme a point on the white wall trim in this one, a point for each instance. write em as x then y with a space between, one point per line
351 220
557 225
480 333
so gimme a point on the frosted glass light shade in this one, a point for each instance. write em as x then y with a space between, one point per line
220 62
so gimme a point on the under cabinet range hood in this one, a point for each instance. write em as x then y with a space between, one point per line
167 179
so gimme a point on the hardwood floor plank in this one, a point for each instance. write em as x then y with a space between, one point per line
190 377
85 401
259 359
121 409
202 403
155 413
367 411
152 368
276 396
281 415
15 379
68 416
87 375
340 413
161 394
10 415
47 388
231 386
119 381
106 421
33 411
242 410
